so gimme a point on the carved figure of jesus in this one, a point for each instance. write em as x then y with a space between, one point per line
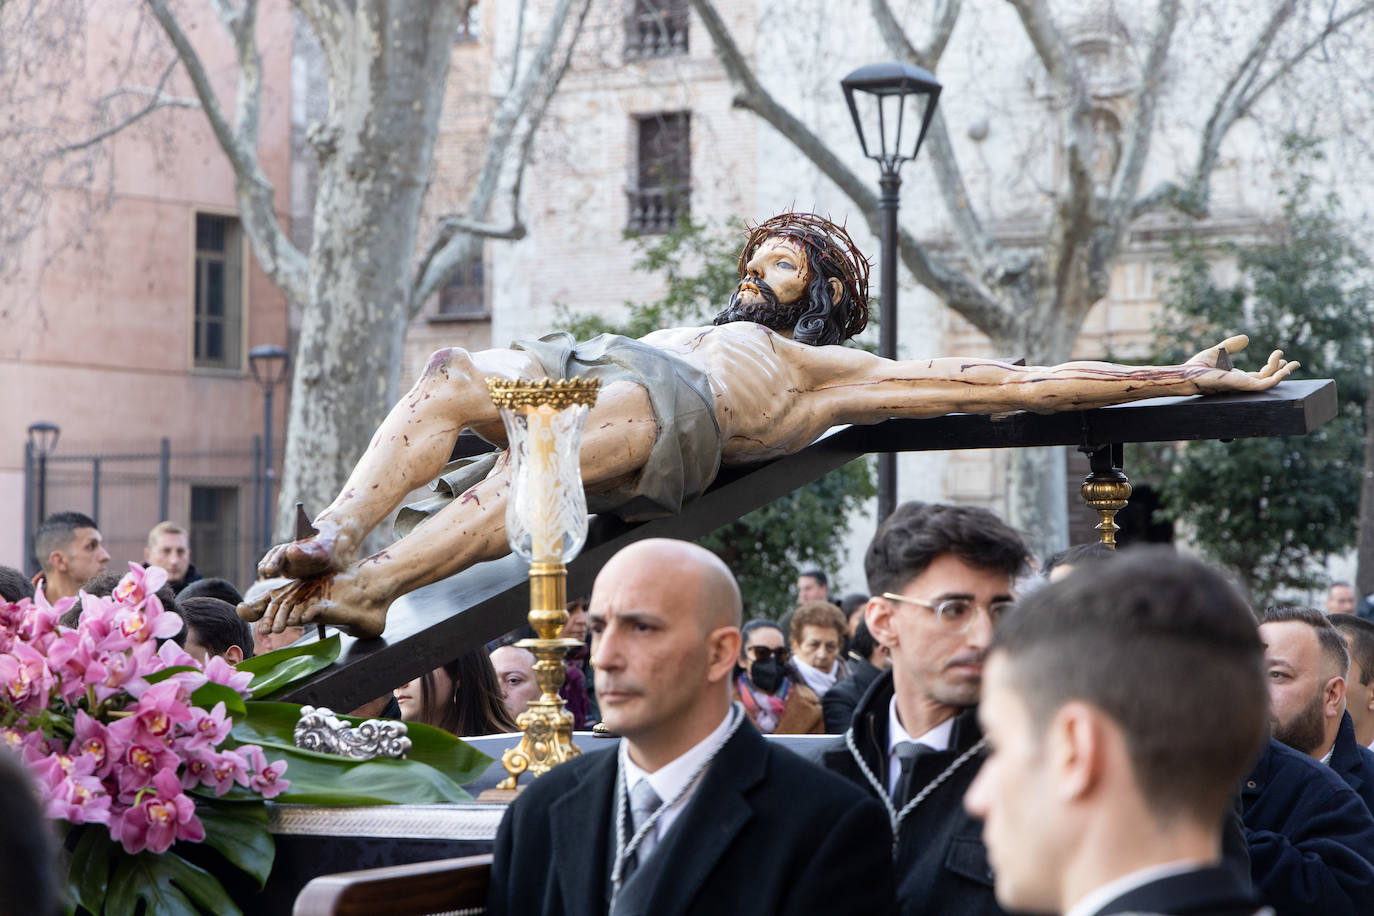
765 380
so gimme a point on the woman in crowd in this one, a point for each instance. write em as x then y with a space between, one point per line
818 634
774 695
463 698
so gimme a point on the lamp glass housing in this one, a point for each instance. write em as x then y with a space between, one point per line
268 364
43 437
546 514
892 105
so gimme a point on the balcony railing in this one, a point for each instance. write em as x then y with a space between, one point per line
656 210
658 33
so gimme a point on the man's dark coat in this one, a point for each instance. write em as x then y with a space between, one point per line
1311 838
840 701
1205 892
765 832
942 865
1353 763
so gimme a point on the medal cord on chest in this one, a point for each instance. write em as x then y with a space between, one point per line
894 816
624 850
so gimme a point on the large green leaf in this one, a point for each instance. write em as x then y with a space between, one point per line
168 885
274 670
324 779
89 873
210 693
158 677
240 834
455 758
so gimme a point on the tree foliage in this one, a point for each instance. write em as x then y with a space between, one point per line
1274 509
767 548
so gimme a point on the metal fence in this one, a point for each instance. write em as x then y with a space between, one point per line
217 495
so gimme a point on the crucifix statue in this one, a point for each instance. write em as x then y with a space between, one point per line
765 379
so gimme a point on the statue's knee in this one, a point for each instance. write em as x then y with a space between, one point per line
447 363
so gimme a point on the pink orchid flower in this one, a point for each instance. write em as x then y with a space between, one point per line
227 768
206 729
266 780
141 761
160 709
126 670
140 582
96 741
218 671
159 819
24 678
73 658
147 621
70 789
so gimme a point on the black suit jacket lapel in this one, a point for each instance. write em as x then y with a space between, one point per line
707 827
581 825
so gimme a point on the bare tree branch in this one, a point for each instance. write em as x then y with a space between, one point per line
1194 196
157 99
280 260
978 245
1069 230
1135 149
329 25
966 295
457 240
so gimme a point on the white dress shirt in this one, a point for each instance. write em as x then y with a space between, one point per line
669 780
936 739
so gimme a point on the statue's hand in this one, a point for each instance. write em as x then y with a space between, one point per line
329 550
1228 379
339 598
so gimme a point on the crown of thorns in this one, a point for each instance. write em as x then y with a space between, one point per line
838 252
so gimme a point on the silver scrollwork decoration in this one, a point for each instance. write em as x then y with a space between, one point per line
321 730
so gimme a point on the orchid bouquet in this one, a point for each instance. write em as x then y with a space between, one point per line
139 750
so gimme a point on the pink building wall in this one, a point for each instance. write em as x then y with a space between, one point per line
98 337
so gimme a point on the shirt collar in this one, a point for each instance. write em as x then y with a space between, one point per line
669 780
1101 896
937 738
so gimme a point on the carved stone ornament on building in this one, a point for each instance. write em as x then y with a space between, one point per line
321 730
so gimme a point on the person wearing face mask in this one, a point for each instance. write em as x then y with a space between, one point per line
773 694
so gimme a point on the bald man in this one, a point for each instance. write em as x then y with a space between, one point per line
692 813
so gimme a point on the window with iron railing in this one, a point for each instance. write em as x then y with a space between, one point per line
661 196
655 28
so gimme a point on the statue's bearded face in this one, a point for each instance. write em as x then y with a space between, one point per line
773 287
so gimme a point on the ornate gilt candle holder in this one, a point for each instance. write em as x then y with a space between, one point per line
546 523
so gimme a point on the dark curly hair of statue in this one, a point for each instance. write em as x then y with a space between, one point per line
830 253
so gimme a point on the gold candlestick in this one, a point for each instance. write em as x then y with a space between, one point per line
546 523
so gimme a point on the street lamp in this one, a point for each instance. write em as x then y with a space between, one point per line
41 443
268 363
895 97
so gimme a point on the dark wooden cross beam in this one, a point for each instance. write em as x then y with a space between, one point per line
432 625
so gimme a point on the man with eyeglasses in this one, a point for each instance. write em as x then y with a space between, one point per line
941 577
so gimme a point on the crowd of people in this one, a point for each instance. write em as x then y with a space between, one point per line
1096 734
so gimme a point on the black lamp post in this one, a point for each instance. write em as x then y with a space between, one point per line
896 98
268 363
41 443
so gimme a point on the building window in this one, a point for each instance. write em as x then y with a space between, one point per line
469 30
656 28
219 300
215 531
662 194
465 294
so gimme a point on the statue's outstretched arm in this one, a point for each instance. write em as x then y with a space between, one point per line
861 388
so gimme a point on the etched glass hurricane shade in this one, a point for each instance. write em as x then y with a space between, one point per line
546 515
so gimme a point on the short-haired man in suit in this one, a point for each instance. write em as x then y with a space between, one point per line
1107 781
1308 660
1359 683
694 813
940 576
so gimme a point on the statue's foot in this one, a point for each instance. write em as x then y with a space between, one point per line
341 599
330 550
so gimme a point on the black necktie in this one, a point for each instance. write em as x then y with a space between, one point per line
907 753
